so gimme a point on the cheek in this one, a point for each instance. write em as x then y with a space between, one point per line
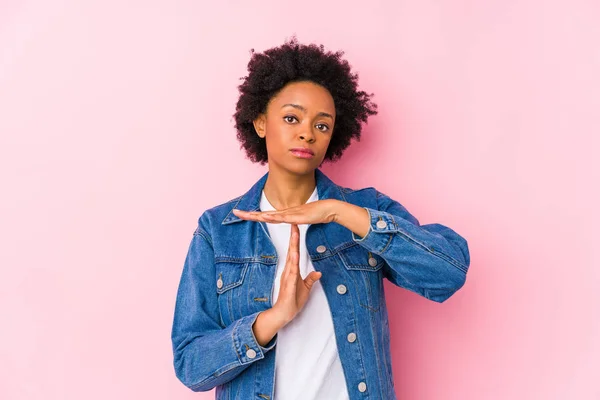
279 133
275 142
275 129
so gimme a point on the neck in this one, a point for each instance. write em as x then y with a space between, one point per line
285 190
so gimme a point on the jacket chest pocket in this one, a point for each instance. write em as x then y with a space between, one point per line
232 292
365 271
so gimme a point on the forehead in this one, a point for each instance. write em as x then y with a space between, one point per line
313 97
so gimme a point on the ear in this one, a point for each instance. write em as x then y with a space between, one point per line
259 125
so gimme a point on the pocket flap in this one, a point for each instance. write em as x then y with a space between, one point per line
230 275
358 257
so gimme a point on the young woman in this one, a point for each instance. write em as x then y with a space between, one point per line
281 295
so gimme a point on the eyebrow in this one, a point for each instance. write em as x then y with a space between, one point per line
298 106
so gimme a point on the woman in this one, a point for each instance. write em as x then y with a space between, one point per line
281 295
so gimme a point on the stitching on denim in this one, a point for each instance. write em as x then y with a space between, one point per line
390 237
341 192
244 271
363 267
357 285
234 339
368 307
362 356
370 294
232 365
235 206
267 260
386 356
441 255
229 306
214 375
201 232
260 352
374 336
221 314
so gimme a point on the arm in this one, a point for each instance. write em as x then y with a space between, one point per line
207 354
431 260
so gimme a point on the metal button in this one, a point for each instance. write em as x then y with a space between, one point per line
250 353
362 386
351 337
381 224
219 283
372 261
341 289
321 249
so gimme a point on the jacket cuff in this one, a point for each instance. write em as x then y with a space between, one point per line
382 226
246 346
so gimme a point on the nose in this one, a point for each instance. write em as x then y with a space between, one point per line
308 136
309 139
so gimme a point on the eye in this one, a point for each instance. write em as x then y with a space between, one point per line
323 130
289 116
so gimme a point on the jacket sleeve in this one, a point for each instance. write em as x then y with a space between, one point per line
206 354
431 260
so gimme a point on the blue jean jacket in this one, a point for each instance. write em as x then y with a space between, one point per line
228 279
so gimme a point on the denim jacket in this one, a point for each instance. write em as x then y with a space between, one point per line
228 279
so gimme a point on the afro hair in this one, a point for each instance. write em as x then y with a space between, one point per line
270 71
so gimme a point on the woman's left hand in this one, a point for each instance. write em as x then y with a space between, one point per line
315 212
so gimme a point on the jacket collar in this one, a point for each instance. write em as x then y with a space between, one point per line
250 201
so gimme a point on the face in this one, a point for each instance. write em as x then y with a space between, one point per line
301 115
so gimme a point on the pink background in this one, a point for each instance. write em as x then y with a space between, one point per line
117 133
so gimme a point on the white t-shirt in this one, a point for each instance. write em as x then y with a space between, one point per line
307 363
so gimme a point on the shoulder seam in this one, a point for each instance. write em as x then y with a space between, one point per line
201 232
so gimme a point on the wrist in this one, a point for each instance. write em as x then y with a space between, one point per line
278 317
338 210
353 217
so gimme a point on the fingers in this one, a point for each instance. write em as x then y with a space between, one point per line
312 278
294 290
293 255
264 216
293 215
294 239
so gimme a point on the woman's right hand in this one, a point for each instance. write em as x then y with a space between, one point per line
293 294
293 290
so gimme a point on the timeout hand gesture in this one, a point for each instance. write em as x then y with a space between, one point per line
294 290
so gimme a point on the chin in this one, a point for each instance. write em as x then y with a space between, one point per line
301 168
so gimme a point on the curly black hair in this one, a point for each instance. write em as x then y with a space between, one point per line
270 71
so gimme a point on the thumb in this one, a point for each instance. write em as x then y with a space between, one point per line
312 278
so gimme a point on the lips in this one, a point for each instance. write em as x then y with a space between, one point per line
301 152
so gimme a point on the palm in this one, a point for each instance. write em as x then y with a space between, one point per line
295 289
315 212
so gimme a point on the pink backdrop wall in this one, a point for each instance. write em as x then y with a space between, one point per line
115 117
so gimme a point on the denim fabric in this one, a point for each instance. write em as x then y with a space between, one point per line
228 279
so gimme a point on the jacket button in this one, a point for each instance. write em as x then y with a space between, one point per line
372 261
321 249
251 353
381 224
352 337
341 289
219 283
362 386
